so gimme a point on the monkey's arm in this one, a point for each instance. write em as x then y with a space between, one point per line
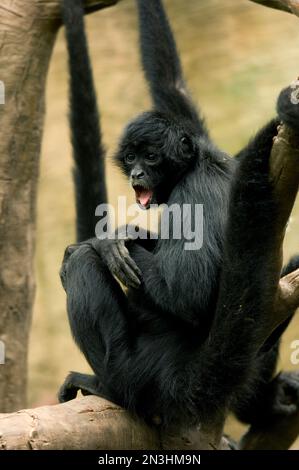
155 285
161 63
115 254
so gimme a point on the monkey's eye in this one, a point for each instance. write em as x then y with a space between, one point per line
130 158
186 144
185 140
152 157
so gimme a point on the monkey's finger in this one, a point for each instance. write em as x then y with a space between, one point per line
114 255
124 252
130 277
125 255
121 269
112 262
133 266
122 275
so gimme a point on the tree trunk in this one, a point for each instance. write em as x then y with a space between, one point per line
87 423
27 35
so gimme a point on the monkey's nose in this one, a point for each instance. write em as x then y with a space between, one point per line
137 174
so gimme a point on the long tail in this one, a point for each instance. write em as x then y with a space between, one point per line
88 151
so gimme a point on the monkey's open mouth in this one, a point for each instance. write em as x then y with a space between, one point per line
143 196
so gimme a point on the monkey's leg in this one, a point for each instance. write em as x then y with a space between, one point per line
97 310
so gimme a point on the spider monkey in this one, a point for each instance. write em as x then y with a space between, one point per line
173 346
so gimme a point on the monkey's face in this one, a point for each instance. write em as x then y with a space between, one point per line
154 153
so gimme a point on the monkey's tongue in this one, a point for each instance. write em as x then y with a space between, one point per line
143 196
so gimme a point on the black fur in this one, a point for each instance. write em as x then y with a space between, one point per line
162 66
88 151
183 343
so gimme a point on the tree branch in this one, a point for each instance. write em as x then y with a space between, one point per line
95 5
46 9
291 6
88 423
92 423
285 176
288 295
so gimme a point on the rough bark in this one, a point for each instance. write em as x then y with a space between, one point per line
87 423
92 423
27 35
285 177
25 45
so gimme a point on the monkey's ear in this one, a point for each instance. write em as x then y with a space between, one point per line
186 150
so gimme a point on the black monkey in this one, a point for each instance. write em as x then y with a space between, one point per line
174 345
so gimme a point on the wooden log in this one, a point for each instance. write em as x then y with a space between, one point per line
87 423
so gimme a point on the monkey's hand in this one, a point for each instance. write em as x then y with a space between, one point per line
117 258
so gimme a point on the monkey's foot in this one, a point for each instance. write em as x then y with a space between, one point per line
75 382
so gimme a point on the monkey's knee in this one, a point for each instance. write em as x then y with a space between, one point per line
79 249
63 270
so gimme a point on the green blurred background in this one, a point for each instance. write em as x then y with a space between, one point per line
237 56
